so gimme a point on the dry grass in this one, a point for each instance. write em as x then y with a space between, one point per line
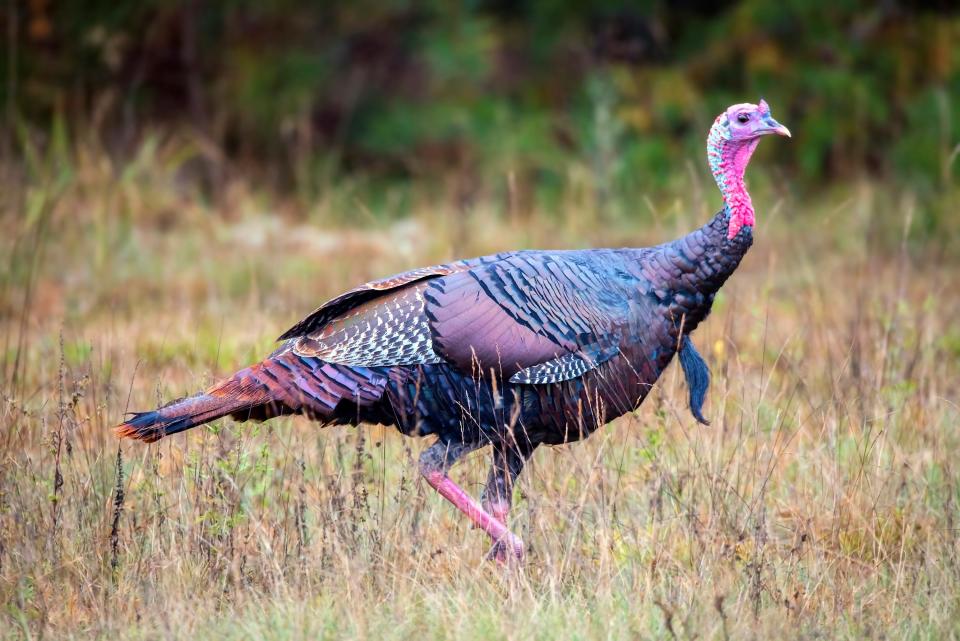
822 503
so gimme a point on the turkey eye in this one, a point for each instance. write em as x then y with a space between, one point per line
743 118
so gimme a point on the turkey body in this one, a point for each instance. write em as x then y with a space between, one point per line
532 347
513 350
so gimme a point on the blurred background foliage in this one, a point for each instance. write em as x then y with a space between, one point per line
496 99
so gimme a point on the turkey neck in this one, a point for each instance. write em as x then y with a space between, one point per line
714 254
728 162
688 272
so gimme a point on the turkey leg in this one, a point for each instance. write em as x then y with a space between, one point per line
508 462
434 463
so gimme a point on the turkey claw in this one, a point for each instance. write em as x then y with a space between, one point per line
507 551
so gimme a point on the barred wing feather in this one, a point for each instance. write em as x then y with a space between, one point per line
510 313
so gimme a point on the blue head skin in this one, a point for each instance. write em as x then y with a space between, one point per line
748 121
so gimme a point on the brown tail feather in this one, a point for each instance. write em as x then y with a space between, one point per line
236 395
284 383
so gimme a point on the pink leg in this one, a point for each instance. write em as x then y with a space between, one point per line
498 509
464 502
434 463
508 462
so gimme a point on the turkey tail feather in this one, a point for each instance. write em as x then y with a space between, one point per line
177 416
285 383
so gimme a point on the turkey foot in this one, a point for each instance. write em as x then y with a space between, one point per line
507 551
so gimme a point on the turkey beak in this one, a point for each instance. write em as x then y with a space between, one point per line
774 127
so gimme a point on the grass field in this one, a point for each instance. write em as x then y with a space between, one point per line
823 502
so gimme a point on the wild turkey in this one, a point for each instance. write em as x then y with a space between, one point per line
512 350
